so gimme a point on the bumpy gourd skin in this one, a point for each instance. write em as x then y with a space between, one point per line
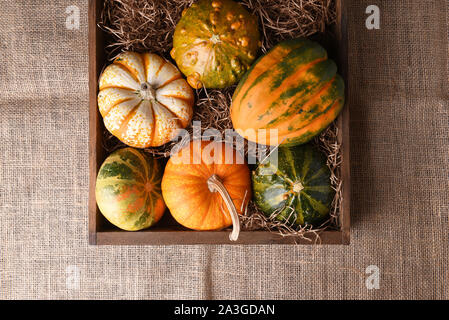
215 42
296 189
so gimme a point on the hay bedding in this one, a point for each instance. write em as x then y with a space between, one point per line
141 25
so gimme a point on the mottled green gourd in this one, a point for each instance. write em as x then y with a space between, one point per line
128 190
215 42
296 189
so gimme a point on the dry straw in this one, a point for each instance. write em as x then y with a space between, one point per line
149 25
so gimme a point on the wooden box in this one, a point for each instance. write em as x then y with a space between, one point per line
167 231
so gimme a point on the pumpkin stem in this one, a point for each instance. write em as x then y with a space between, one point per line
147 92
215 185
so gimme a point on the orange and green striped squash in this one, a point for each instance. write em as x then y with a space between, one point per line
294 89
128 190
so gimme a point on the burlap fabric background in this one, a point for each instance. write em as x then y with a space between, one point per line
400 174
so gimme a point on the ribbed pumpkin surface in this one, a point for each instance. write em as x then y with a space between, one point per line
294 89
185 188
128 190
144 100
215 42
296 188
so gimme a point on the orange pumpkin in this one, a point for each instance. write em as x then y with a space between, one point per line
205 185
144 100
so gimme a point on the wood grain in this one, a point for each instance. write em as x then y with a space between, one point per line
167 232
342 37
96 152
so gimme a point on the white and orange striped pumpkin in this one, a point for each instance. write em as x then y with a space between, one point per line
144 100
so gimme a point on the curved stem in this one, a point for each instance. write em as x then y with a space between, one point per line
215 185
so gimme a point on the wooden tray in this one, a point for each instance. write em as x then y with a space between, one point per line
167 231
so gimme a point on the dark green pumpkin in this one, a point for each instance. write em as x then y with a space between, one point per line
296 188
